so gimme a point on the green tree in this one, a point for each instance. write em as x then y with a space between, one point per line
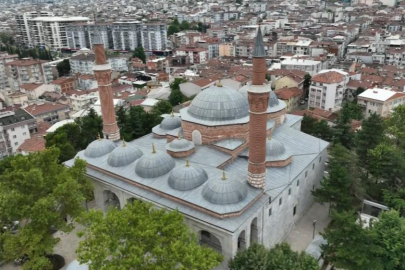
350 246
172 30
368 137
91 125
281 257
63 68
319 129
396 126
395 199
239 2
184 25
176 96
140 53
162 107
39 191
142 237
389 234
358 91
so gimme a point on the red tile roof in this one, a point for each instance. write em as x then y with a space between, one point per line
328 77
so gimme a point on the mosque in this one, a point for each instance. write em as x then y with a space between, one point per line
233 163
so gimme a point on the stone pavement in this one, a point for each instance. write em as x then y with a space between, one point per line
301 236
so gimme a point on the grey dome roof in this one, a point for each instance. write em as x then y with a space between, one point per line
276 151
180 145
218 104
171 122
219 191
273 100
154 165
99 148
123 155
187 177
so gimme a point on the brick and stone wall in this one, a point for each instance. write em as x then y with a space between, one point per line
181 154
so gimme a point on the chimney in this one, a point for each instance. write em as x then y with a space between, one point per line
258 95
102 72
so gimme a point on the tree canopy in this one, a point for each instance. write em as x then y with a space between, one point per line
319 129
140 53
281 257
63 68
40 193
74 137
142 237
176 96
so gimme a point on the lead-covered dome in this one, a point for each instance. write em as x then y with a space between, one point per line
187 177
274 148
171 122
180 145
124 155
273 100
154 164
99 147
219 103
224 191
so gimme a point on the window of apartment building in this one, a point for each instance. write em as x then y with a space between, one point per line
280 201
14 136
16 143
25 133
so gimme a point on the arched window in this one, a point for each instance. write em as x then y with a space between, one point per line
254 232
110 200
196 136
242 241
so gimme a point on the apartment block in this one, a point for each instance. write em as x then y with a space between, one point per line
26 71
5 58
22 25
15 128
154 36
126 35
380 101
84 63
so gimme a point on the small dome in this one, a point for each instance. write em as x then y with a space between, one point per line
170 122
273 100
224 191
154 164
180 145
123 155
99 147
219 103
187 177
274 148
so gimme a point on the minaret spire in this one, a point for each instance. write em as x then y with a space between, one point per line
258 95
102 72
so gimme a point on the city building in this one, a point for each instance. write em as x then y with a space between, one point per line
51 112
154 36
309 66
380 101
27 70
126 35
83 63
15 128
50 32
81 35
5 58
22 24
238 169
326 90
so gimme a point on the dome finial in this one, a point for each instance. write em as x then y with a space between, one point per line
187 162
153 149
179 136
223 175
172 114
269 137
219 84
123 142
99 137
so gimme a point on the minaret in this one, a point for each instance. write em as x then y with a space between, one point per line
258 95
102 71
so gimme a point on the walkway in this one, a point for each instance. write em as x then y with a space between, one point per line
301 236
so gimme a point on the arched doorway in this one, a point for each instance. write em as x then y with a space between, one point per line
242 241
111 200
210 240
254 232
196 137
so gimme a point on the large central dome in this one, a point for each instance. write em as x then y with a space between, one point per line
219 103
